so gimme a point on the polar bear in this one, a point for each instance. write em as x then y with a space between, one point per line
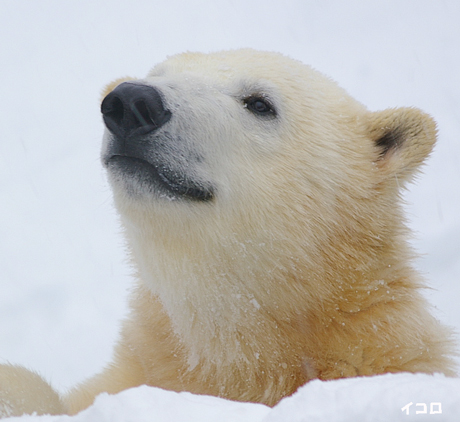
261 205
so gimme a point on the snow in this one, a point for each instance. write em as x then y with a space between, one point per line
141 403
391 397
64 273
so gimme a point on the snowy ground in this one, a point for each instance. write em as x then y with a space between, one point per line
64 277
388 398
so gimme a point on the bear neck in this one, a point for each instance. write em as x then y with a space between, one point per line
235 301
210 289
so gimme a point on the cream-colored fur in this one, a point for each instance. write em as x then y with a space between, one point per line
25 392
299 266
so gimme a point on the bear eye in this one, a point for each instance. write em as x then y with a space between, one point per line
260 106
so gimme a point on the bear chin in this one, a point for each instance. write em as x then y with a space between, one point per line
141 177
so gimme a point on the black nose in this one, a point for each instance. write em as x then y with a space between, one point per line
133 109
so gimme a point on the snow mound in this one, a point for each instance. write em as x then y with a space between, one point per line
386 398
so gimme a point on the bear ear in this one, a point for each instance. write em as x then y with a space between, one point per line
112 85
403 137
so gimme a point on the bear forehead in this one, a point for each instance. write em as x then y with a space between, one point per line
239 72
237 64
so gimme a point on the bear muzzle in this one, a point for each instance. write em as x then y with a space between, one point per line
133 114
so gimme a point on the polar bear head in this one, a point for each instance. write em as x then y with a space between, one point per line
243 173
256 143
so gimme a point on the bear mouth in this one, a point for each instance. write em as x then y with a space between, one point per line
170 183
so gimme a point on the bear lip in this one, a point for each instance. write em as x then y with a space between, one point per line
174 184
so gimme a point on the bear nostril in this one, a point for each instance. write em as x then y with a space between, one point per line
133 109
113 109
142 115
